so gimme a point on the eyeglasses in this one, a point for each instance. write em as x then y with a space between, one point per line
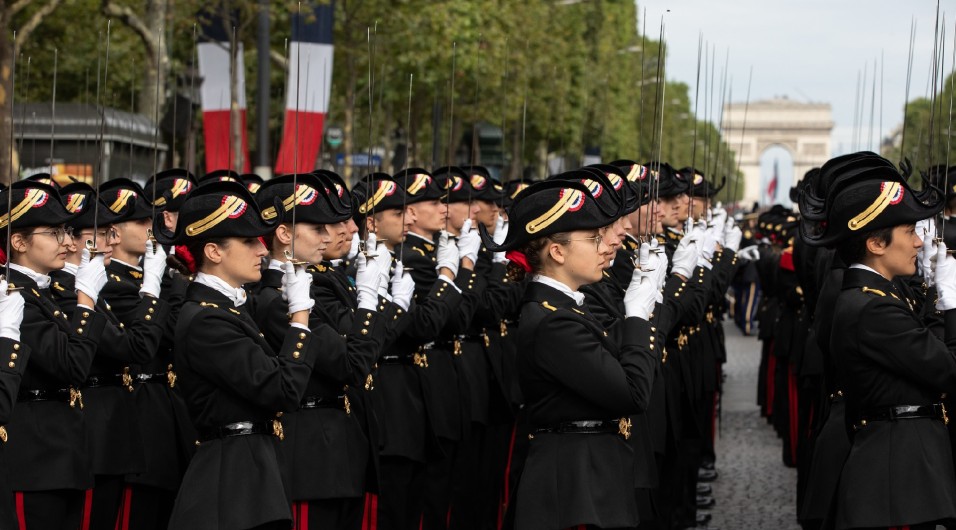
108 235
60 233
598 239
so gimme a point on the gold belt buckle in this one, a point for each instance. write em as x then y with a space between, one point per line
348 404
457 349
420 360
277 428
76 397
127 379
504 329
369 382
624 428
170 376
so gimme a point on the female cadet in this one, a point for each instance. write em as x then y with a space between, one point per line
899 471
48 462
235 385
580 380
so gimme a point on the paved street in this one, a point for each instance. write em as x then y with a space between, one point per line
754 489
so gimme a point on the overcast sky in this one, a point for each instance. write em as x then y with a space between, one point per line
807 50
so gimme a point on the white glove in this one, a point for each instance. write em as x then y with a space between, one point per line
154 266
640 297
708 245
653 267
469 242
685 257
403 287
945 279
447 254
11 312
91 275
662 256
366 282
752 253
719 216
501 232
926 230
732 237
354 249
296 284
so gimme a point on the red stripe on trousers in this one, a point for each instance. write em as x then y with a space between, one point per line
794 408
87 510
295 515
300 150
122 522
771 369
21 513
370 521
216 134
304 515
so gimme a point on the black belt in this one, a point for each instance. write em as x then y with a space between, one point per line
122 380
152 378
419 358
620 426
242 428
70 395
936 411
320 402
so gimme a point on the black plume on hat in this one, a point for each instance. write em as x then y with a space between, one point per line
547 208
79 198
217 210
310 202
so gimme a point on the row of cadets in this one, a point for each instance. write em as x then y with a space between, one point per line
325 454
236 386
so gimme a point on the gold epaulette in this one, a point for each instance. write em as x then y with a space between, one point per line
549 306
58 287
136 274
208 304
874 291
429 247
420 251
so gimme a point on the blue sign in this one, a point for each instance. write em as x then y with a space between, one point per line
360 159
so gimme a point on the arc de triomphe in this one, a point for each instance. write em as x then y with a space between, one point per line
803 129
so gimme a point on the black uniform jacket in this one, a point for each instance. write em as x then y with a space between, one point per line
47 448
573 369
229 373
325 452
898 472
112 422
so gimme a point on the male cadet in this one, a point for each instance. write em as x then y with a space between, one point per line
137 277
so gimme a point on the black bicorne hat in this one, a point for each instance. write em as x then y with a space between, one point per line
512 189
171 188
252 182
617 178
419 185
43 178
698 185
79 199
118 193
599 186
484 186
670 183
546 208
338 190
33 204
311 200
456 182
639 177
937 177
217 210
863 200
220 175
385 194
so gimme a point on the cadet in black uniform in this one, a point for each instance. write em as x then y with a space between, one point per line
580 380
48 461
16 356
235 384
899 471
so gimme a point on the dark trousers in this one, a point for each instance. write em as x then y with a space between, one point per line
107 493
52 510
145 508
399 503
436 481
337 514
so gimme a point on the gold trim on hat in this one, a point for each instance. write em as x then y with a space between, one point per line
421 180
383 188
300 193
874 210
121 199
216 217
33 197
555 213
75 203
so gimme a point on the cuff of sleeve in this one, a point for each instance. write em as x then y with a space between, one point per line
87 323
449 282
300 326
13 355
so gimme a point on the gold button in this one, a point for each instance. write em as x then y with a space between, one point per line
154 302
148 317
367 323
86 314
56 313
652 339
298 345
652 346
79 330
16 346
364 332
151 310
368 315
13 357
83 322
12 364
301 335
295 355
122 325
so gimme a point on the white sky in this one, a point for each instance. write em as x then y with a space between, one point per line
807 50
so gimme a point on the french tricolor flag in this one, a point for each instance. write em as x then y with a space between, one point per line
308 90
214 69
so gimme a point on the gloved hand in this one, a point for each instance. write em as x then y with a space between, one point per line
11 312
653 267
926 230
708 245
662 256
154 266
91 275
945 279
296 284
719 217
732 236
469 242
366 282
685 257
354 249
501 232
752 253
403 287
447 254
640 297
